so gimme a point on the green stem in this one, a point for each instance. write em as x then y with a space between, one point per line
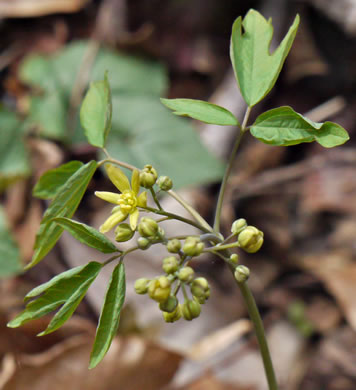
222 247
190 210
119 163
228 171
154 196
121 255
260 334
177 217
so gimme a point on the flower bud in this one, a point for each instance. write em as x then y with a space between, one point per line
148 176
193 246
169 305
186 274
159 289
165 183
200 289
141 285
234 259
174 316
143 243
191 309
147 227
170 265
238 226
250 239
174 245
123 232
242 273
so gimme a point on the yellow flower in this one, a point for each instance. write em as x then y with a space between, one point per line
127 202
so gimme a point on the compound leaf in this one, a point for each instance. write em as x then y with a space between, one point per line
202 111
110 315
51 182
284 127
66 289
63 205
87 235
256 70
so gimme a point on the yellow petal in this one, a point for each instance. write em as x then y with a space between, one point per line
117 177
112 221
142 200
110 197
135 181
134 219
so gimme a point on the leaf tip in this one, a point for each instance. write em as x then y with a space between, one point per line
94 361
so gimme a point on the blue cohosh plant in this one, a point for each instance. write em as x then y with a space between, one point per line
256 71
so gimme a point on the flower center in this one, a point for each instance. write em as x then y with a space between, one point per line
127 201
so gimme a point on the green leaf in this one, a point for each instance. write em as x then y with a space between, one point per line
96 111
256 70
284 127
331 134
66 290
63 205
10 259
14 163
202 111
56 75
87 235
166 141
110 315
51 182
49 114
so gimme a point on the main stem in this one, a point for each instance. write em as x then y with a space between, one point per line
228 170
243 286
260 334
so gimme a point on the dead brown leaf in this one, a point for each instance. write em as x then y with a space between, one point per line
131 363
209 382
31 8
337 271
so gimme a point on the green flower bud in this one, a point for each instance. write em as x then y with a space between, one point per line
193 246
170 264
250 239
169 305
242 273
123 232
200 289
141 285
234 259
159 289
148 176
165 183
238 226
147 227
174 316
143 243
174 245
191 309
186 274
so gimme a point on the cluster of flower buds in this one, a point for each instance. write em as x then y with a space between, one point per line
163 289
150 232
148 178
249 238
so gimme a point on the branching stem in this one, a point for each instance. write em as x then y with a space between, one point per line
175 216
190 210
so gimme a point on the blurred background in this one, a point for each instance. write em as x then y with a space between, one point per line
303 197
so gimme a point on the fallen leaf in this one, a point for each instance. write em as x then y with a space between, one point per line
32 8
